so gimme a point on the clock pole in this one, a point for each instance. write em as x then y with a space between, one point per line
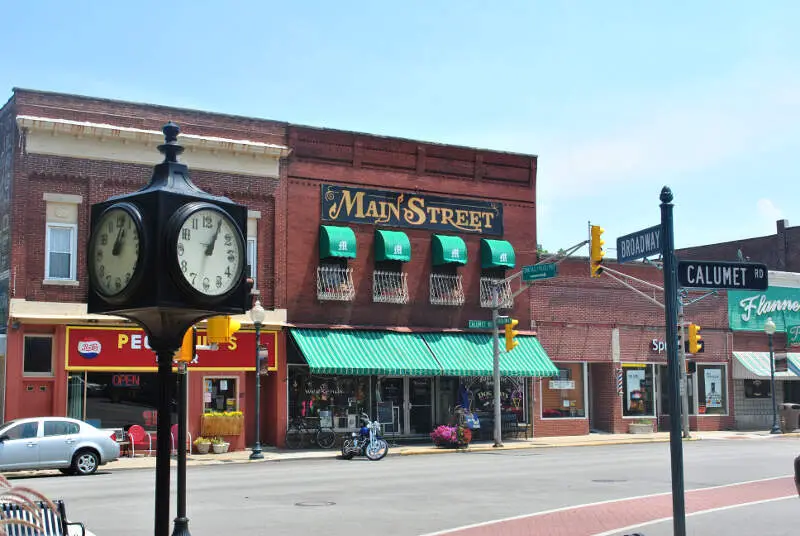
157 295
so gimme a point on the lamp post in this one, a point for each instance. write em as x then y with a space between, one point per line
769 328
257 315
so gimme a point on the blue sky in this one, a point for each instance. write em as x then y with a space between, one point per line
617 98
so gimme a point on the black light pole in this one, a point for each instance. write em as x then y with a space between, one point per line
673 363
181 526
769 328
257 314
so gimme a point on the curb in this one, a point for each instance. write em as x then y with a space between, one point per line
543 446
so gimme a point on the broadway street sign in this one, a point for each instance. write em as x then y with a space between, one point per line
639 245
729 275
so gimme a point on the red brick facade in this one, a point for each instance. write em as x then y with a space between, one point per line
343 158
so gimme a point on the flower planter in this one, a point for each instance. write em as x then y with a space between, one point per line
202 448
639 428
451 437
221 425
220 448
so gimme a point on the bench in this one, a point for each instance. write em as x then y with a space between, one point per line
509 426
53 523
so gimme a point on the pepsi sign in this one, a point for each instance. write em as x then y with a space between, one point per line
89 348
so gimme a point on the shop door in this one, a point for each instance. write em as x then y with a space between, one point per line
36 399
392 391
420 405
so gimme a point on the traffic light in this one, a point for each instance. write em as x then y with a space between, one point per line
185 353
596 251
510 334
695 340
221 329
691 366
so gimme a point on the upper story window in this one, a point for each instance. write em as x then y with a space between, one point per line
61 239
252 244
61 247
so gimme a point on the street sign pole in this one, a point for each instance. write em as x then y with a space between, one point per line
671 309
498 440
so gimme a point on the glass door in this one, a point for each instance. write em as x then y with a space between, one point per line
391 405
420 406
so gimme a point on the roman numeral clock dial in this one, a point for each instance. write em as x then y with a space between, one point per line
210 252
114 251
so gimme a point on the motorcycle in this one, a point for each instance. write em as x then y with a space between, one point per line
366 442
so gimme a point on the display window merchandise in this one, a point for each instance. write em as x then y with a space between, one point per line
712 390
564 395
220 394
638 390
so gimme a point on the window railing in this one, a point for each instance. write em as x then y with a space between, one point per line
335 283
446 289
505 294
389 287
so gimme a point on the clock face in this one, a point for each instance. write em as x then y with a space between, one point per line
115 251
210 252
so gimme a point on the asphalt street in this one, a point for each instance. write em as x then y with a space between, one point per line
414 495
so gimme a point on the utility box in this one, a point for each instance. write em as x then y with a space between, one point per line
790 416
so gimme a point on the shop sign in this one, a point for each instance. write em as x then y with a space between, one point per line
658 345
398 209
794 335
748 311
127 349
125 380
562 384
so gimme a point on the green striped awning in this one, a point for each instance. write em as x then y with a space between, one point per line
336 241
361 352
471 354
497 254
448 250
755 366
392 246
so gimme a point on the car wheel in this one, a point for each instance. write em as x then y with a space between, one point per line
85 462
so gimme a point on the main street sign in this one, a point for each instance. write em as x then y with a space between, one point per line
727 275
639 245
535 272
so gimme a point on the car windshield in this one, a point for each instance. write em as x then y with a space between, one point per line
6 424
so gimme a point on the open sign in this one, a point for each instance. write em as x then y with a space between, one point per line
659 346
125 380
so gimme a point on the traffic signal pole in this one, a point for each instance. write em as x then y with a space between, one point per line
498 436
684 372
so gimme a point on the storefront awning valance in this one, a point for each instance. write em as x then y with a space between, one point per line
471 354
497 254
363 352
336 241
392 246
448 250
755 366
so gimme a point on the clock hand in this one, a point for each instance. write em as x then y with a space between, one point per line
118 242
210 247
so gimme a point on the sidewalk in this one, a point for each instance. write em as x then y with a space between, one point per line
272 454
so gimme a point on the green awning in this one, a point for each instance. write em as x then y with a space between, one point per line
392 246
336 242
361 352
448 250
497 254
471 354
756 366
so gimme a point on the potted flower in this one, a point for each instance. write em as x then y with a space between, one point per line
219 445
451 436
202 444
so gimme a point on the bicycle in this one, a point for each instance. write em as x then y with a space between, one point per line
299 430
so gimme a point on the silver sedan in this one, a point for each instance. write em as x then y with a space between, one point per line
69 445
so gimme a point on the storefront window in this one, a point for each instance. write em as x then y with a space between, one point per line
712 391
757 389
637 388
220 394
562 397
336 401
512 395
117 400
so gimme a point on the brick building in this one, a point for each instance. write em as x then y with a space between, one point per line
62 153
392 247
608 343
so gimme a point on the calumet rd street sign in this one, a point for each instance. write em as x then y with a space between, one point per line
639 245
727 275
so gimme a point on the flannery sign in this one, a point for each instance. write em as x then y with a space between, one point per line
747 310
398 209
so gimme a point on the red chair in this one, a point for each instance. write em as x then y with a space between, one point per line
139 437
173 432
